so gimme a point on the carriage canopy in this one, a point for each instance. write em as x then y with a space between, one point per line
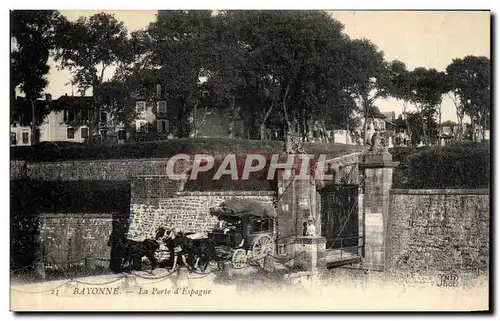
238 207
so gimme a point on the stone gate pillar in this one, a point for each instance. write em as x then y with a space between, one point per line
377 168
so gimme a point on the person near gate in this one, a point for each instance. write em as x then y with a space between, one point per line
311 229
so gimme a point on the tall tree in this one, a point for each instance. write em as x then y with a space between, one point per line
285 55
429 86
33 34
371 74
417 128
226 70
401 86
471 86
179 53
88 47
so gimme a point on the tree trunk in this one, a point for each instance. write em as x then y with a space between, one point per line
484 126
460 128
194 126
323 127
481 124
473 125
263 123
184 125
202 120
93 122
460 115
440 129
365 125
305 127
232 118
423 126
287 131
97 112
33 124
405 115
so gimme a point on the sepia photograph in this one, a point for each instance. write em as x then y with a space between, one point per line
250 160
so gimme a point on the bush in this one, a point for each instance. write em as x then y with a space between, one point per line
455 166
161 149
401 155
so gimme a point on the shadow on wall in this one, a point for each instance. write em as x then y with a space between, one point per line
79 203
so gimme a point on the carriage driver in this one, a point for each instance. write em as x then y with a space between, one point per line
221 225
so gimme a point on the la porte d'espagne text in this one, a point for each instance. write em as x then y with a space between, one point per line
142 291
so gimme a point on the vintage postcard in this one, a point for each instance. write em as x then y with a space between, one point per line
250 160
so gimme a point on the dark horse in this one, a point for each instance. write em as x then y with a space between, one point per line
191 251
130 252
197 253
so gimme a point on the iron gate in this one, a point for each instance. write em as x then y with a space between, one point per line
339 217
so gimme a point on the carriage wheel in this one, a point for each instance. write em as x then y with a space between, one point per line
263 246
239 258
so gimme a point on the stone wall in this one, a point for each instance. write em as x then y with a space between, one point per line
155 202
438 230
73 239
110 169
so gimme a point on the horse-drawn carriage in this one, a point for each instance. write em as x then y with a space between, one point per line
254 222
248 237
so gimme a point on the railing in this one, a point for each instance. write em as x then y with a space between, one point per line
357 247
344 248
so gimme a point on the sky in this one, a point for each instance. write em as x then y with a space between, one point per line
430 39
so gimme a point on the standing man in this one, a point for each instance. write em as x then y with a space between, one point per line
311 229
117 242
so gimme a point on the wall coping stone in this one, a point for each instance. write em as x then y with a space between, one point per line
227 193
77 215
355 158
379 164
482 191
148 177
108 160
309 240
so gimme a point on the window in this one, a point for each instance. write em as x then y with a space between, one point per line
13 138
104 117
122 134
140 107
70 133
84 132
70 116
161 107
141 126
85 115
162 125
25 137
261 225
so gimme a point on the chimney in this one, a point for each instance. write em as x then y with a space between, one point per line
48 98
158 90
